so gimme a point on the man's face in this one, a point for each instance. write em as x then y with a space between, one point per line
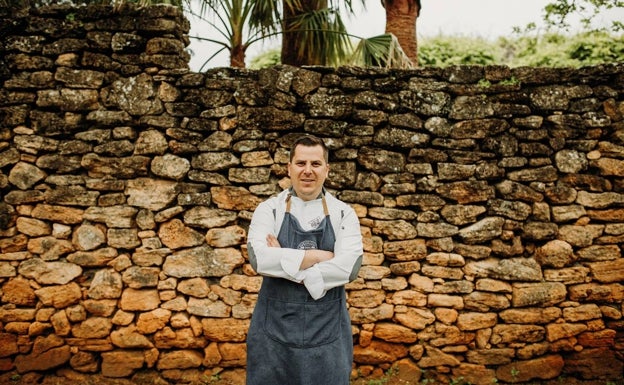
307 171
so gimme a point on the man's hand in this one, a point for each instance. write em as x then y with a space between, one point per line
314 256
311 256
272 241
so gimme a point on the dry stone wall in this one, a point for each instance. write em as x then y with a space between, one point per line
491 202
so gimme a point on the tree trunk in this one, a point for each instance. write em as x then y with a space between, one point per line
401 18
291 40
237 56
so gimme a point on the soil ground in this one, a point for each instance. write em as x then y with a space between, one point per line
152 378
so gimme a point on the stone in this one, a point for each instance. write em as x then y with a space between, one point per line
151 194
138 277
542 294
555 253
226 237
475 321
33 227
474 374
195 287
150 142
582 313
580 236
60 323
205 307
378 352
462 214
100 257
24 175
201 261
492 356
121 363
64 215
484 230
485 302
467 192
84 362
233 354
366 298
130 338
505 334
513 190
139 300
224 330
92 328
608 271
170 166
175 235
411 298
122 167
179 359
185 338
41 361
593 363
150 322
19 292
571 161
395 333
8 345
609 166
50 248
59 296
105 284
120 216
546 367
88 237
205 217
436 357
415 318
123 238
135 95
407 250
395 230
599 253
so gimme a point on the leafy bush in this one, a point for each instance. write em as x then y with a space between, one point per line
548 50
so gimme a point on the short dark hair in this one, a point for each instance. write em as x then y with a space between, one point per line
309 141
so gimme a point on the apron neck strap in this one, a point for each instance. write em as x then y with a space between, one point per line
325 209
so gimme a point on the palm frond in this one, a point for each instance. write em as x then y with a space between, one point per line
323 34
380 51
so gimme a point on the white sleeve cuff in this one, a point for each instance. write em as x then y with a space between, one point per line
313 281
291 263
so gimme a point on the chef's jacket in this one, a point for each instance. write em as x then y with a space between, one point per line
285 263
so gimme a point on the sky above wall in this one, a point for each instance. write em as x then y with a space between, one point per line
472 18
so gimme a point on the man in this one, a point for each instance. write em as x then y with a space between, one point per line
307 245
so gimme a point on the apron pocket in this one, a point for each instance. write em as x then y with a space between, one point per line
303 324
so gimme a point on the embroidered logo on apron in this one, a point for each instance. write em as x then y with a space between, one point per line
307 244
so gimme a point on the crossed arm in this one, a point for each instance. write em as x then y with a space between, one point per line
311 256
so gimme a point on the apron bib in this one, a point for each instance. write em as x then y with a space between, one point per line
294 339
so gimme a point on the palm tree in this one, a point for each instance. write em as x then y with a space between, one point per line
313 32
401 18
240 23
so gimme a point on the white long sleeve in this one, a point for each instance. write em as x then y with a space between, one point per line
284 262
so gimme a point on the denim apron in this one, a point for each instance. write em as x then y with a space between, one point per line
294 339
